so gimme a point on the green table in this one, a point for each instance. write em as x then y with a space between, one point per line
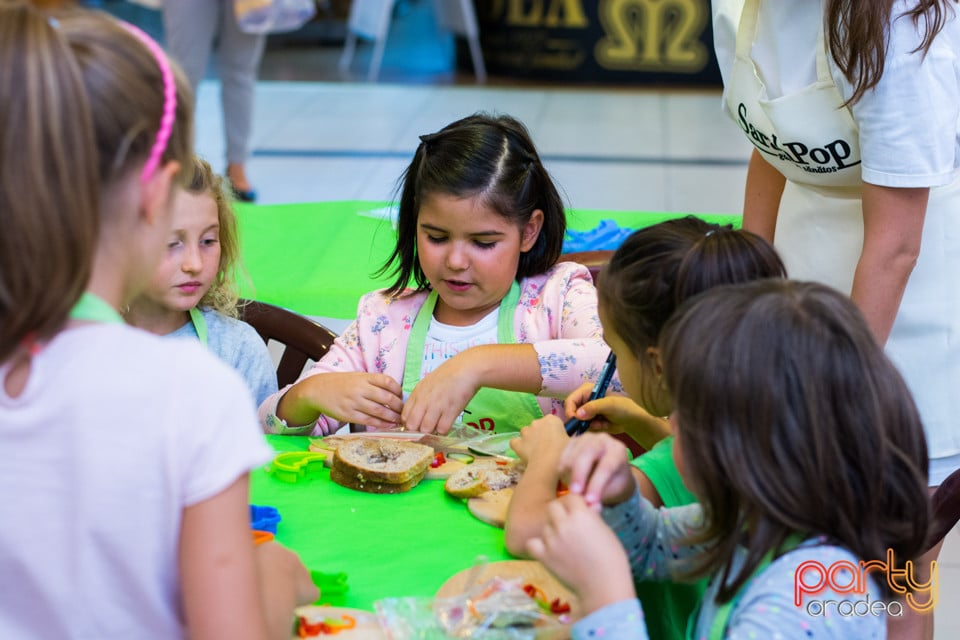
389 545
319 258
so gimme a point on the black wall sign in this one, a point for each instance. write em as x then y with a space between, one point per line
599 41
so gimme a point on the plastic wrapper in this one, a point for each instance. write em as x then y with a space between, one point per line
272 16
498 609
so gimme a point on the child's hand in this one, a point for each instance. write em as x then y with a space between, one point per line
616 414
372 399
595 466
440 397
544 439
584 553
283 563
577 398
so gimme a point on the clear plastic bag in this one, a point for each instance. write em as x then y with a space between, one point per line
272 16
498 609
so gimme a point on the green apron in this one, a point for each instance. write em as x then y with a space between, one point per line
718 627
199 324
490 410
93 308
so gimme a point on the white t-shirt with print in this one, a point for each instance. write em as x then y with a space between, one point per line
444 341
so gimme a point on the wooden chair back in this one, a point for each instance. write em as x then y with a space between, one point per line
302 338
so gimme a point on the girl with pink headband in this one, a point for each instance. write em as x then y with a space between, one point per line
127 484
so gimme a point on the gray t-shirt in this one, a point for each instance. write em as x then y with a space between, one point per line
239 345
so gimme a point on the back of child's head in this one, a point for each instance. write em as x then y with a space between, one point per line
791 419
223 295
81 102
660 266
481 156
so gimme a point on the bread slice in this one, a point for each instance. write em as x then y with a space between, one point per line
352 481
365 462
482 476
491 506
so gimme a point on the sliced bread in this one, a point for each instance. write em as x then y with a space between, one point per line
353 481
369 461
482 476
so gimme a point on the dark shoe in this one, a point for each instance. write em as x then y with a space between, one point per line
250 195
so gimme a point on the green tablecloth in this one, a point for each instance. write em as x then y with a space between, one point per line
319 258
389 545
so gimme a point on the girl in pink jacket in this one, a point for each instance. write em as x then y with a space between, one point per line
491 329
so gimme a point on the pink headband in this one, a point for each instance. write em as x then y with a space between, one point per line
169 103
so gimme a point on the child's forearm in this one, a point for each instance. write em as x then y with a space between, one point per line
527 513
296 406
511 367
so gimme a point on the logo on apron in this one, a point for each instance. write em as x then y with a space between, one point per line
827 158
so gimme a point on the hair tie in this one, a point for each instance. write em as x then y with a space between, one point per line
169 102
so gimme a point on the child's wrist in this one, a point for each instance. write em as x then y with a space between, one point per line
620 497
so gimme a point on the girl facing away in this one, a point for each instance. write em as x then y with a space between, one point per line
807 455
193 293
653 271
492 326
128 485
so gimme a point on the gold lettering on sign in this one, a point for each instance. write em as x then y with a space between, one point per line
540 13
652 35
566 13
518 18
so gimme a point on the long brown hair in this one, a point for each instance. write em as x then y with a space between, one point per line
80 104
858 32
792 419
48 179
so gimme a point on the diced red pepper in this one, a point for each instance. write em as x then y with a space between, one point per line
534 592
308 630
438 460
559 607
556 607
328 626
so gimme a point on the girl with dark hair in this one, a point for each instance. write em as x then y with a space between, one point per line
492 326
653 271
807 455
127 457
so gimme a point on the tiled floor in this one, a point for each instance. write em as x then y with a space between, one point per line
632 149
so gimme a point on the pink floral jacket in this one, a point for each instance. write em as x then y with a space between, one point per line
556 313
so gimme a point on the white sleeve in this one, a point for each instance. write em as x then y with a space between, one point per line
220 437
909 122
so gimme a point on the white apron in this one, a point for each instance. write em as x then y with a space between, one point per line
813 140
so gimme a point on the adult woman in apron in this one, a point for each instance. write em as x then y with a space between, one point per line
854 171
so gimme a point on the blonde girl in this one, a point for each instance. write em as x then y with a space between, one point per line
193 293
